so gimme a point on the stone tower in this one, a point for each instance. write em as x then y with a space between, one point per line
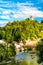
31 17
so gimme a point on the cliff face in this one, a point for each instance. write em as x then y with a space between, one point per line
29 43
32 43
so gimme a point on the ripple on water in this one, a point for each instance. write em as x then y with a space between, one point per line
24 56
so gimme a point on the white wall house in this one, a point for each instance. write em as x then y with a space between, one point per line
2 41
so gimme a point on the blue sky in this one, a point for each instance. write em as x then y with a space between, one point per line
20 9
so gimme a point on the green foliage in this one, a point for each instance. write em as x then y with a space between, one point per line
27 63
11 50
42 21
21 30
22 63
7 52
2 52
29 49
39 48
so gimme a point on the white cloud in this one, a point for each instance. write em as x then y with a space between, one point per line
20 10
18 14
23 4
6 12
5 17
3 23
32 11
26 11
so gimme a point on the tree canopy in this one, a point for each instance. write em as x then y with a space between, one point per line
39 48
21 30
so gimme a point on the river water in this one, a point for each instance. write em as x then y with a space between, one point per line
25 56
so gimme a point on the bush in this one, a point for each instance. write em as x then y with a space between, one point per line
39 49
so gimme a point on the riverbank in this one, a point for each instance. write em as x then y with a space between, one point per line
22 58
10 60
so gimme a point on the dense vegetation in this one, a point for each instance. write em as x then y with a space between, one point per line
39 48
21 30
6 54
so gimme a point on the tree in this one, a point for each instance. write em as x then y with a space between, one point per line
2 52
39 48
11 50
42 21
21 30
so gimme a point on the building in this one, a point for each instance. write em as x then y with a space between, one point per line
31 17
2 42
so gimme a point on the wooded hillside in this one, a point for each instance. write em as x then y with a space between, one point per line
21 30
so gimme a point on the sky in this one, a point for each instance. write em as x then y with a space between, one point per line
11 10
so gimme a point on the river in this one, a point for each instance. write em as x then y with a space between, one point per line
24 57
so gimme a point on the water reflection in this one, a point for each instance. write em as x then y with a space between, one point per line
25 56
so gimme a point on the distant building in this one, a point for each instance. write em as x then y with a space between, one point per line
31 17
2 41
17 46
